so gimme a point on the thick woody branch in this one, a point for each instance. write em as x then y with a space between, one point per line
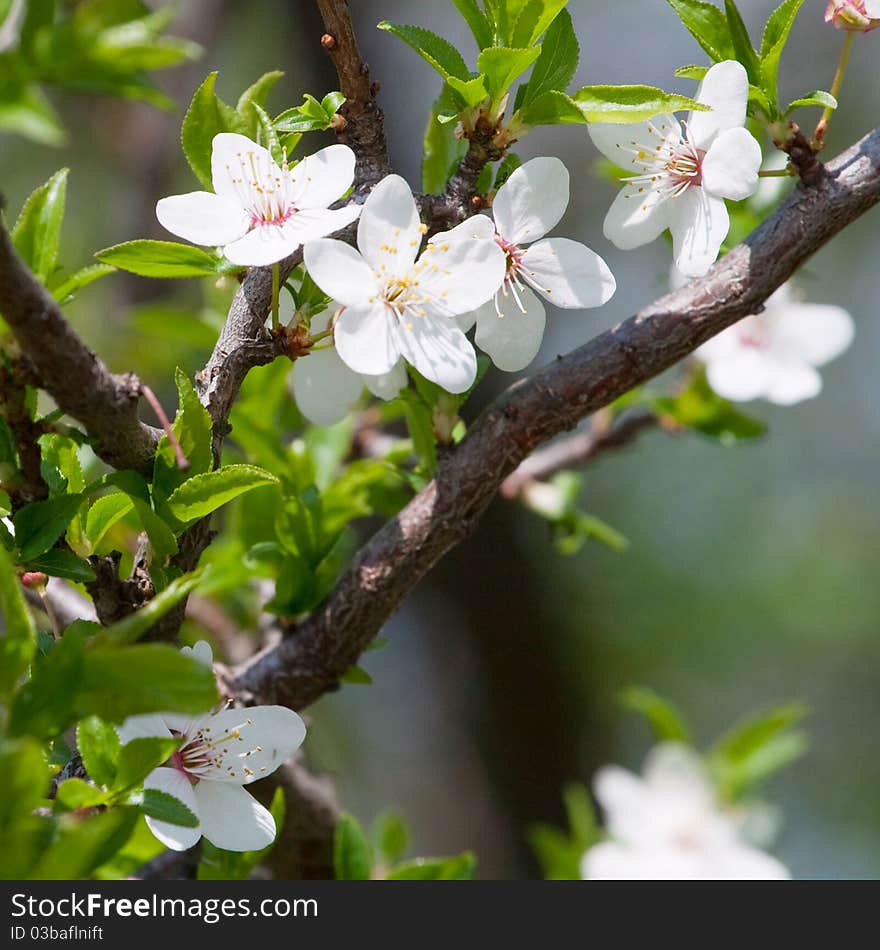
106 404
365 124
319 650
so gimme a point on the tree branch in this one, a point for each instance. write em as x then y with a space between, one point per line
106 404
321 648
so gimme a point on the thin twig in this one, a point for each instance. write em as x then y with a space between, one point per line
156 406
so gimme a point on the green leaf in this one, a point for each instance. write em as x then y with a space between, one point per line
23 790
818 98
162 259
25 111
37 232
460 868
199 496
165 807
477 20
207 116
79 279
18 633
352 856
533 21
441 150
558 855
557 64
41 523
356 676
502 66
311 116
76 793
138 757
665 720
255 95
103 514
742 44
440 53
57 562
194 431
134 626
708 26
471 93
508 166
98 744
420 423
581 816
390 836
162 538
552 108
623 104
773 44
144 678
81 846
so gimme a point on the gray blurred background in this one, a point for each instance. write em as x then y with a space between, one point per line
752 575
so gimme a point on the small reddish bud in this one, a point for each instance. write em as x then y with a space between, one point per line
33 580
328 41
855 16
338 123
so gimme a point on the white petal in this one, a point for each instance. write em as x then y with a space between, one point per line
201 652
621 144
320 179
459 276
699 225
388 385
321 222
636 218
263 245
815 333
479 227
511 340
741 377
389 236
792 381
726 89
730 167
203 218
625 800
568 274
532 201
149 726
176 784
742 863
233 819
340 272
678 770
250 744
872 8
367 339
234 158
324 388
610 861
439 351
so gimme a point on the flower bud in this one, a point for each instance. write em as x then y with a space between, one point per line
34 580
857 16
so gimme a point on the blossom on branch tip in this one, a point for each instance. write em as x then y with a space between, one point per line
528 205
326 390
399 304
261 212
773 355
219 754
683 171
668 825
855 16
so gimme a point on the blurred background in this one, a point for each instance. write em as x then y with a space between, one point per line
752 573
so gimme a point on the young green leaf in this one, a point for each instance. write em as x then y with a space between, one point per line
623 104
165 807
773 44
742 44
77 793
255 95
665 720
477 20
440 53
37 232
708 26
202 494
352 855
556 66
98 744
823 100
193 428
163 259
501 66
41 523
56 562
81 846
534 19
460 868
390 836
552 108
79 279
103 514
18 633
207 116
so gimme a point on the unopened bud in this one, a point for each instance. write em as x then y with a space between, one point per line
856 16
328 41
338 123
34 580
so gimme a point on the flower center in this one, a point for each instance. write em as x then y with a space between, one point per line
754 333
263 189
405 294
513 285
667 169
205 750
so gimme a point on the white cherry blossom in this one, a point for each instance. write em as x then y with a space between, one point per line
774 355
261 212
668 825
398 304
220 753
528 205
683 171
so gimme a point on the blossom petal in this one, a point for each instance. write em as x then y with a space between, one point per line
479 227
321 222
388 385
148 726
367 339
249 744
459 276
263 245
699 225
340 272
238 164
324 388
872 8
568 273
173 782
389 232
320 179
625 145
513 339
201 652
610 861
532 201
624 799
792 381
203 218
816 333
636 218
440 351
740 377
739 862
678 770
726 89
232 818
730 167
